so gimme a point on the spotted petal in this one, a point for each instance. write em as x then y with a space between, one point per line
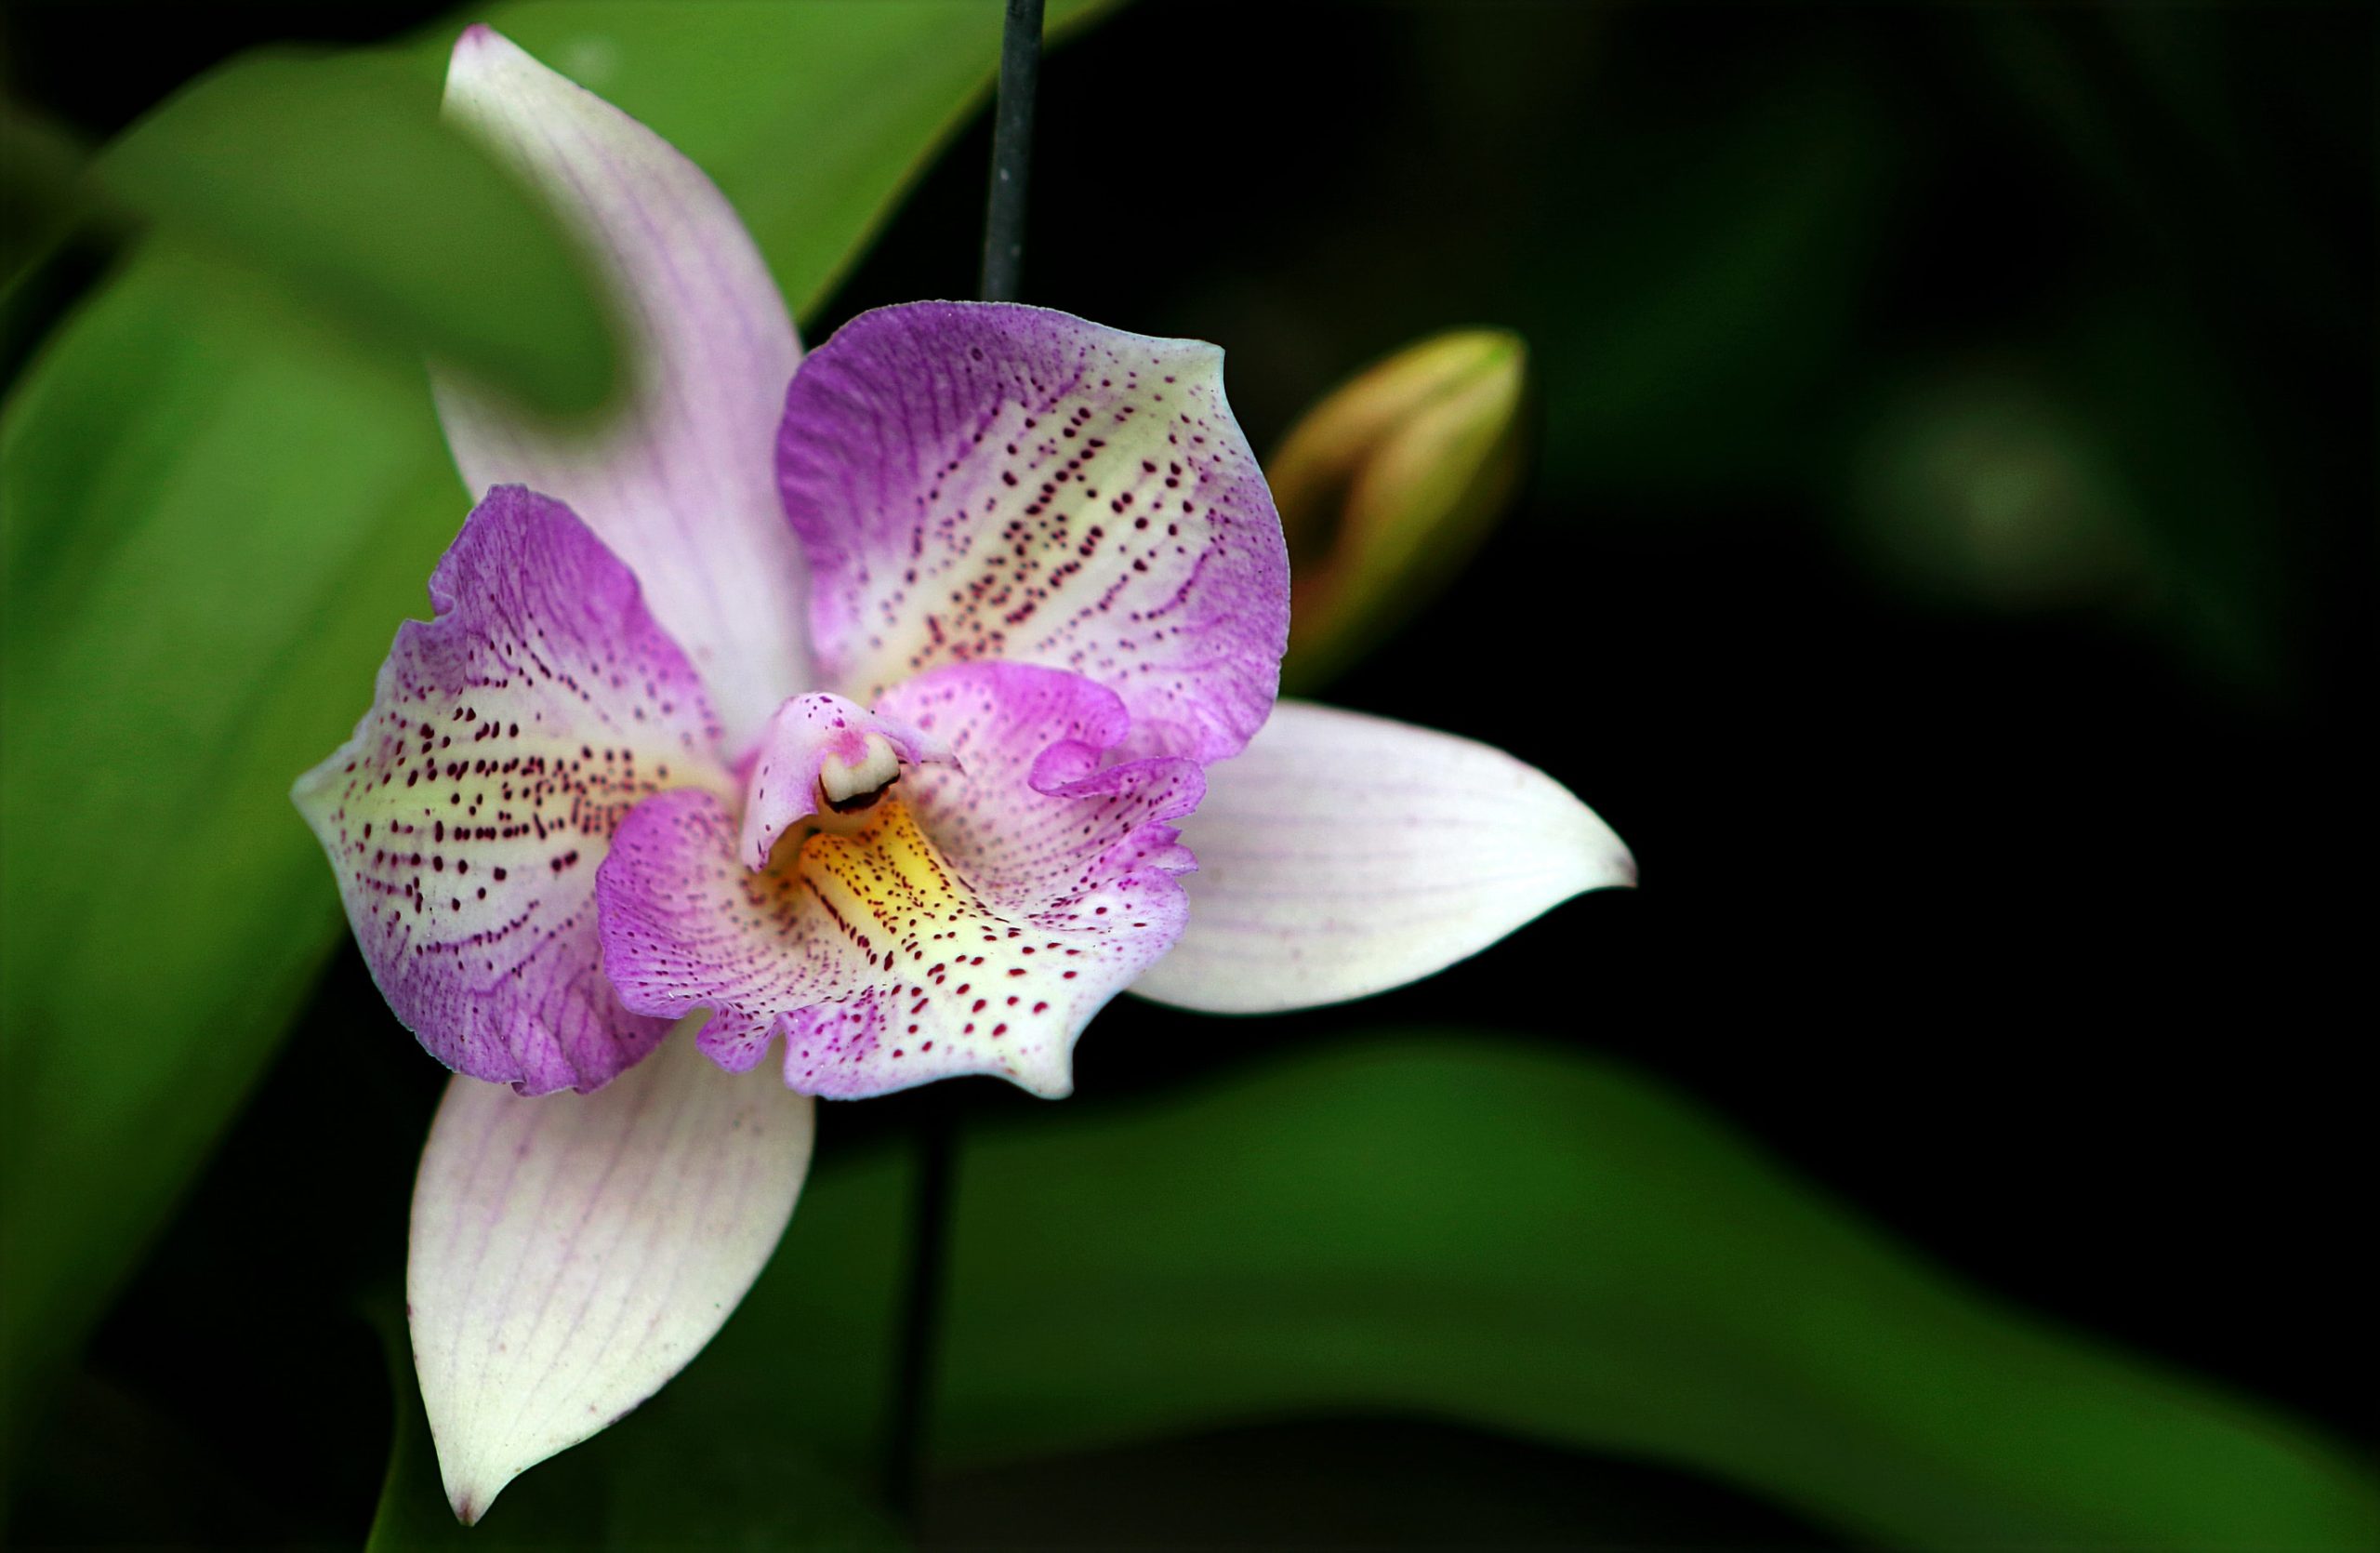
572 1253
981 481
971 924
467 815
682 487
1344 854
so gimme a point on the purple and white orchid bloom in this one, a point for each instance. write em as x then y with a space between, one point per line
827 741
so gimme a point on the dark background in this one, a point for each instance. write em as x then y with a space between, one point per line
1947 560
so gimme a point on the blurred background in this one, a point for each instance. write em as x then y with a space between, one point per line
1944 553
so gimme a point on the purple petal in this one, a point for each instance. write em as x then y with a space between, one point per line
974 924
467 815
1345 854
572 1253
982 481
806 732
682 487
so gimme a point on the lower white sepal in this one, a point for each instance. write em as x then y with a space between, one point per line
571 1252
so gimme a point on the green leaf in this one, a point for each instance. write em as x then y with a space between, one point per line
1521 1238
215 515
215 507
336 177
747 1481
40 165
1701 377
1461 1227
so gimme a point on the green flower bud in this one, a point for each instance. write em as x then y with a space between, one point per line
1388 484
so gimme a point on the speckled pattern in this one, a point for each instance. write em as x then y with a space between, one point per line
467 817
976 481
973 925
781 775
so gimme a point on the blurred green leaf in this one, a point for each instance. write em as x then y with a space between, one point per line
100 1435
745 1482
336 177
39 165
2106 470
2237 589
1461 1227
215 514
214 509
1979 485
1516 1238
1684 259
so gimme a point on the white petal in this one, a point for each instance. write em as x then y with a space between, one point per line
683 488
1344 854
572 1251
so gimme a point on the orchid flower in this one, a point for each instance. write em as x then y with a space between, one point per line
826 727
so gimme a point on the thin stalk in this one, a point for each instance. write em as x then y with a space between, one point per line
937 1129
1012 152
937 1140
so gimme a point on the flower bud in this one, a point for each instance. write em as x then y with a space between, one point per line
1388 484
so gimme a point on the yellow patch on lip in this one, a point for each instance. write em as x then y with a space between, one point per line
890 871
991 981
883 882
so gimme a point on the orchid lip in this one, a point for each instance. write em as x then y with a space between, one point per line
970 920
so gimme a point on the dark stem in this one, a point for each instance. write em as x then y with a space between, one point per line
1012 152
937 1129
937 1147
